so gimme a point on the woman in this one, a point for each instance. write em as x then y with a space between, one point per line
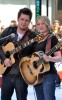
46 89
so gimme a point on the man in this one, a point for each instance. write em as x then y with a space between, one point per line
56 25
12 78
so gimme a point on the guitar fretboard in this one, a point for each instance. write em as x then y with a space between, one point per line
23 45
20 47
48 53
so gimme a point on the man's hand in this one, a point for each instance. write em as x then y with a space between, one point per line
7 62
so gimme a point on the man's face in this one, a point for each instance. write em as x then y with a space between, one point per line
23 21
55 25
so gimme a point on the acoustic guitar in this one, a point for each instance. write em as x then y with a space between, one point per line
33 67
10 50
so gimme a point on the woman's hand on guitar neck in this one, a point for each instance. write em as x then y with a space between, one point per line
46 58
7 62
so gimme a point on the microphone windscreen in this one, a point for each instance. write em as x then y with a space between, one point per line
12 35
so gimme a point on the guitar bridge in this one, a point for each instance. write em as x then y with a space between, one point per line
42 68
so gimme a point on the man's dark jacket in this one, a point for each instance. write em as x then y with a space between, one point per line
24 52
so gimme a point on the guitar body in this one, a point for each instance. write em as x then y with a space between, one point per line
9 47
2 68
31 74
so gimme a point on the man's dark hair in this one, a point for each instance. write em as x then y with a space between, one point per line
26 11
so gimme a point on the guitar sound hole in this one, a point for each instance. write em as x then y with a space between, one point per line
35 64
16 56
7 54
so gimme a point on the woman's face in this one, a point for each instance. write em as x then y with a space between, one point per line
41 26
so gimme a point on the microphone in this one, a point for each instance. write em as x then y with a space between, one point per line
11 36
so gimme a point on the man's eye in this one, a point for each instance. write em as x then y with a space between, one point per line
27 20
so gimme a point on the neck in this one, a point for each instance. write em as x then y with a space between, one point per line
45 33
21 31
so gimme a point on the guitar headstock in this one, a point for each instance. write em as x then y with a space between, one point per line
40 37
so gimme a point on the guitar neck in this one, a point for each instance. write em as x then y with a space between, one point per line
38 37
52 50
48 53
20 47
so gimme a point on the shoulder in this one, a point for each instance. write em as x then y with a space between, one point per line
54 40
30 33
9 30
12 28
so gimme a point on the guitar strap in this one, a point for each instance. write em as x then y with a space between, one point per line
48 45
26 36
